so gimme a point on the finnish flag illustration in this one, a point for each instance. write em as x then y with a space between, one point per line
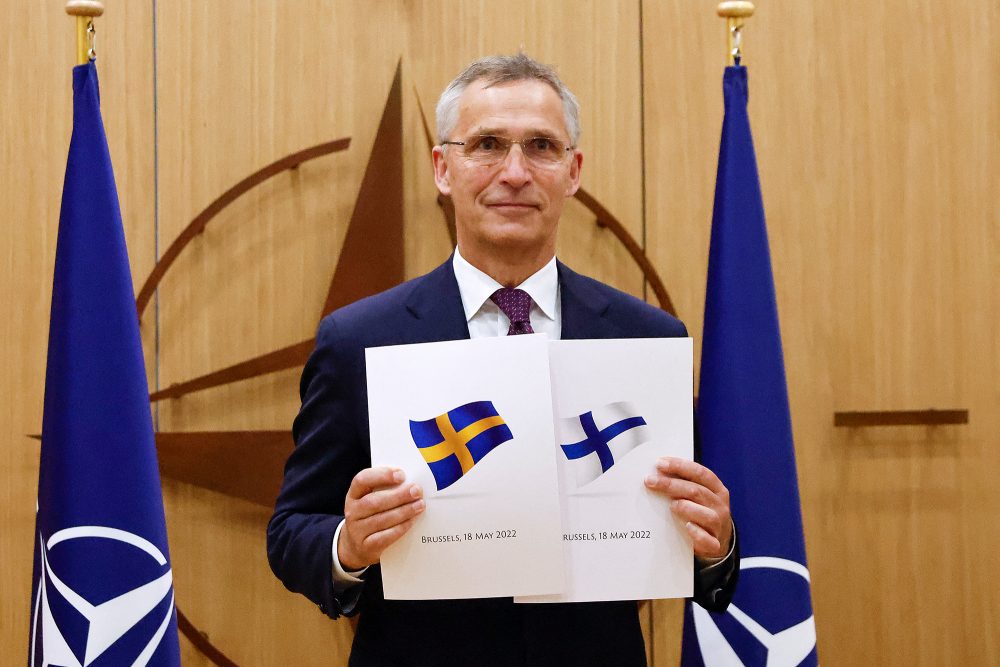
594 441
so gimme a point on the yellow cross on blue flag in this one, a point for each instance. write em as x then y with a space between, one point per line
457 440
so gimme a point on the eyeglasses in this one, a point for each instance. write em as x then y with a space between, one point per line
488 149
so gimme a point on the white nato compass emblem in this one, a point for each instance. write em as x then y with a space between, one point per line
785 648
104 623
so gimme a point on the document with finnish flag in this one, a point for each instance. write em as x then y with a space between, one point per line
471 423
619 405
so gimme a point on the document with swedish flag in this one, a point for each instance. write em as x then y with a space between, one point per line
470 422
620 405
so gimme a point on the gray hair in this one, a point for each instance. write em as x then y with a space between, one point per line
496 70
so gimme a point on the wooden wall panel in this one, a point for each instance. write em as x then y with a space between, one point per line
683 114
36 114
240 86
877 178
918 279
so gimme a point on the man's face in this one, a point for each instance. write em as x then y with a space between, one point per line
515 204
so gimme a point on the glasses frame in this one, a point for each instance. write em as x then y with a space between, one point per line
520 142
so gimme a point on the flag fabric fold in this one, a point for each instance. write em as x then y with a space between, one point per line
102 588
745 424
455 441
594 441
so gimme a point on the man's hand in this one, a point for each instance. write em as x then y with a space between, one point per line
699 499
379 509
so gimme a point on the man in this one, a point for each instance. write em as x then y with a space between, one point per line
507 157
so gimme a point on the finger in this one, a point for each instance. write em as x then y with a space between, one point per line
381 501
385 520
703 543
371 479
376 543
691 471
678 488
704 517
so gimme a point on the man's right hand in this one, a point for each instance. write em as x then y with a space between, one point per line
379 509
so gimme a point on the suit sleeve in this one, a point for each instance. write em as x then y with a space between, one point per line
714 586
328 453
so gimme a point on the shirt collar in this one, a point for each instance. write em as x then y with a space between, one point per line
477 287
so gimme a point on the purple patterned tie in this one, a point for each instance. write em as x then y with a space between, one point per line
515 304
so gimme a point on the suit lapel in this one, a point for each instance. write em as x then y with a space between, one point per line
584 308
436 308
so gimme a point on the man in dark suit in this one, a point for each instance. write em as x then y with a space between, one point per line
507 157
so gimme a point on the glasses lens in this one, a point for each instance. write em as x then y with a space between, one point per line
486 149
544 150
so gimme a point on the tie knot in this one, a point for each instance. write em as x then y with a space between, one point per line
516 305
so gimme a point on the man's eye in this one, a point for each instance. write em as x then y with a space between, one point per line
542 144
487 144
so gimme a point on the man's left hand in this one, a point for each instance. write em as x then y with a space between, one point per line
699 499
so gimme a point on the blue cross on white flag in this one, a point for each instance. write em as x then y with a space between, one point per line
596 440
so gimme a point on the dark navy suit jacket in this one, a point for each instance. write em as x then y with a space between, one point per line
332 445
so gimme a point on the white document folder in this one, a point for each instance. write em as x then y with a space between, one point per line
470 422
619 405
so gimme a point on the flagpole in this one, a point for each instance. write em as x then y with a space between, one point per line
734 11
84 11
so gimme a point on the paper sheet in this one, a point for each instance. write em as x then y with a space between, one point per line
619 405
471 422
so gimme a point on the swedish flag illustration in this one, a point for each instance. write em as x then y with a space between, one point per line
454 442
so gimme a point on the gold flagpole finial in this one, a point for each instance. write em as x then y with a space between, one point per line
734 11
85 11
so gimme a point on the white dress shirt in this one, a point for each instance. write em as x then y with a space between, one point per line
485 317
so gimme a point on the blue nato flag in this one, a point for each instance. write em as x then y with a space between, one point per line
745 425
102 590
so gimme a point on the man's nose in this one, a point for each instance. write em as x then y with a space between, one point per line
515 170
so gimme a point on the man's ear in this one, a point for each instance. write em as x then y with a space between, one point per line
574 173
441 176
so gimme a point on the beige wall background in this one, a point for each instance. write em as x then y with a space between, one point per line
877 127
